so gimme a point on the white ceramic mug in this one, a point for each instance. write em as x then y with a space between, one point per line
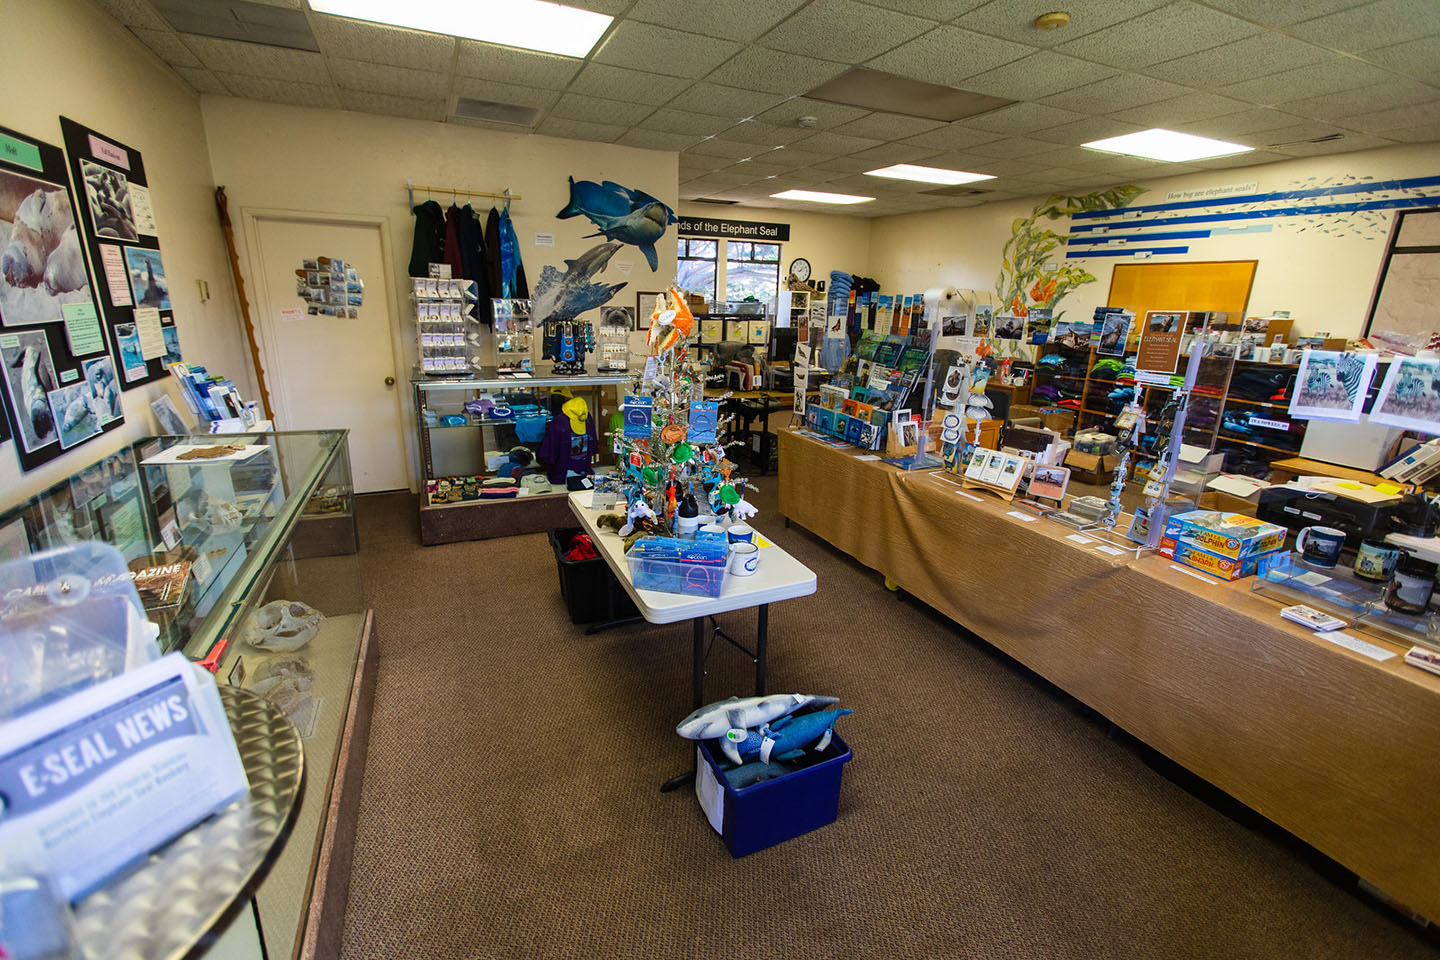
744 558
711 531
741 532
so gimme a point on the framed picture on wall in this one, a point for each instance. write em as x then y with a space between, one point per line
644 306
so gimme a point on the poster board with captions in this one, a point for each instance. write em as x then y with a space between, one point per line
122 238
59 384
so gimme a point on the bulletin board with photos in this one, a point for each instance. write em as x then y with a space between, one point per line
123 242
60 386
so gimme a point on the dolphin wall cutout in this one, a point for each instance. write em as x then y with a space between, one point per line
620 214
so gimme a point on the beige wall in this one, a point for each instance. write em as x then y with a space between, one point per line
274 157
66 57
829 242
1324 278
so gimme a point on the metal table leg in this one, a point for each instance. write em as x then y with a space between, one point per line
697 695
762 638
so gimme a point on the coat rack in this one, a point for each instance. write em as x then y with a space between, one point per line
456 192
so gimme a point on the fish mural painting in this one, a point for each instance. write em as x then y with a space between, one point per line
620 214
564 296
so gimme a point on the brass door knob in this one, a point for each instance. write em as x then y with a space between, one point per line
389 381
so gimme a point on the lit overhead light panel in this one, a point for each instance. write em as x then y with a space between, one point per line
527 24
1167 145
818 196
910 171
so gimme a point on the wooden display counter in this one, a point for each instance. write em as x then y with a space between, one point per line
1331 745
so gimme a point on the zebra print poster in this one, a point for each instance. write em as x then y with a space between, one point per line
1331 385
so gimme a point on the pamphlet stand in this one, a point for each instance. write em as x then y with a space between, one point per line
1003 493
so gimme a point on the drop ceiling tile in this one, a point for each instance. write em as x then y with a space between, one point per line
836 143
202 81
1256 56
1012 147
1255 120
948 55
732 20
1191 106
1252 159
1117 93
939 10
654 140
719 147
954 136
167 46
516 129
579 130
1305 130
134 13
847 31
761 166
732 102
1173 31
696 161
491 62
861 184
258 60
888 153
666 120
1037 75
756 68
1064 176
1382 120
357 40
729 177
1065 156
1351 143
617 83
1083 131
1377 24
477 89
1417 58
662 50
275 90
827 115
1418 133
766 134
845 165
1015 19
395 81
419 109
1022 118
799 158
1332 74
887 126
1346 103
1281 13
577 106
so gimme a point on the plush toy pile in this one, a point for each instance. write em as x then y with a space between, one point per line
765 737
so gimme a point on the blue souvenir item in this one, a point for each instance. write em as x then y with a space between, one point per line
509 254
716 719
453 420
638 411
827 420
812 416
783 739
704 419
852 429
629 216
757 772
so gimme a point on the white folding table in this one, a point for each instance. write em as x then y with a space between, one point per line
779 577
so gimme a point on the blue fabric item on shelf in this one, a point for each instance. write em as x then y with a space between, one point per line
1052 360
530 427
509 254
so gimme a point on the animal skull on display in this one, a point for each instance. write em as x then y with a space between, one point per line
284 625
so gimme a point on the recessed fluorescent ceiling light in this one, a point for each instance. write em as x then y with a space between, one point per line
1167 145
909 171
527 24
816 196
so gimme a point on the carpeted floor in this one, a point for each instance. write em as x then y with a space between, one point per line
510 806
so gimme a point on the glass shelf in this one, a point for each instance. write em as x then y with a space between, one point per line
1340 593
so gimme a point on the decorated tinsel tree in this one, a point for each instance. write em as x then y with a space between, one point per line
669 446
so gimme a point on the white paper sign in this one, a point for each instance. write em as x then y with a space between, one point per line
112 259
144 213
970 496
544 239
1077 538
1191 573
869 456
1021 516
291 315
625 266
709 792
147 327
1342 639
1111 550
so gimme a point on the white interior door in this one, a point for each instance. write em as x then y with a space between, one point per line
332 372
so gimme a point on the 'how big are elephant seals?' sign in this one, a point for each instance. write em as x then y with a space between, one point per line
733 229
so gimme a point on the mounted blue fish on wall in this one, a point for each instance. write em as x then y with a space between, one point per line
629 216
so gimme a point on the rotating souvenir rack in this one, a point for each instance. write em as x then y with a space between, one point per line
668 450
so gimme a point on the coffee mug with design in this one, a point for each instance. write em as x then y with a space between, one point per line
1320 546
744 558
711 531
1375 560
739 532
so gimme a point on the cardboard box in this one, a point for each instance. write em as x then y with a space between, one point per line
1229 535
1061 421
1226 568
1226 503
1089 467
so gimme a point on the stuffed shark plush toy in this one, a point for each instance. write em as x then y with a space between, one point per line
717 719
789 735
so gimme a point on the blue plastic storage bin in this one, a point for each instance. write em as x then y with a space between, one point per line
672 565
773 811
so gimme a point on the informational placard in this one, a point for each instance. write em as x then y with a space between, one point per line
733 229
1160 341
55 395
114 209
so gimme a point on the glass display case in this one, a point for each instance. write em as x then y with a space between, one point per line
1339 592
244 551
488 470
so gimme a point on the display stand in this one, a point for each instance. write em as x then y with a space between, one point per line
999 491
1340 593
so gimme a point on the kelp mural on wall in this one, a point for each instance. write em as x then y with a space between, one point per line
1024 281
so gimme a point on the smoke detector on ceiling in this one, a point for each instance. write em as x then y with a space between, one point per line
808 122
1052 21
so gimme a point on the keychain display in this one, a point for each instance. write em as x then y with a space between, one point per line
567 342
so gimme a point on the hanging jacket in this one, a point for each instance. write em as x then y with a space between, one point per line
509 254
452 242
492 252
472 256
429 244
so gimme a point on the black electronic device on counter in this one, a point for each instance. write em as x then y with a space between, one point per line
1295 508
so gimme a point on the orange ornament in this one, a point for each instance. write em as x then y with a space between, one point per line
673 433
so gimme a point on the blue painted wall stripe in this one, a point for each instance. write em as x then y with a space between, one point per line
1124 252
1406 184
1142 237
1278 212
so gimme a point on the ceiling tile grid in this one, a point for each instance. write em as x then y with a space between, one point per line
723 84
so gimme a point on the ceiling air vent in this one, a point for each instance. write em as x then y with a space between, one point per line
875 90
239 20
720 203
959 190
1328 138
510 113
